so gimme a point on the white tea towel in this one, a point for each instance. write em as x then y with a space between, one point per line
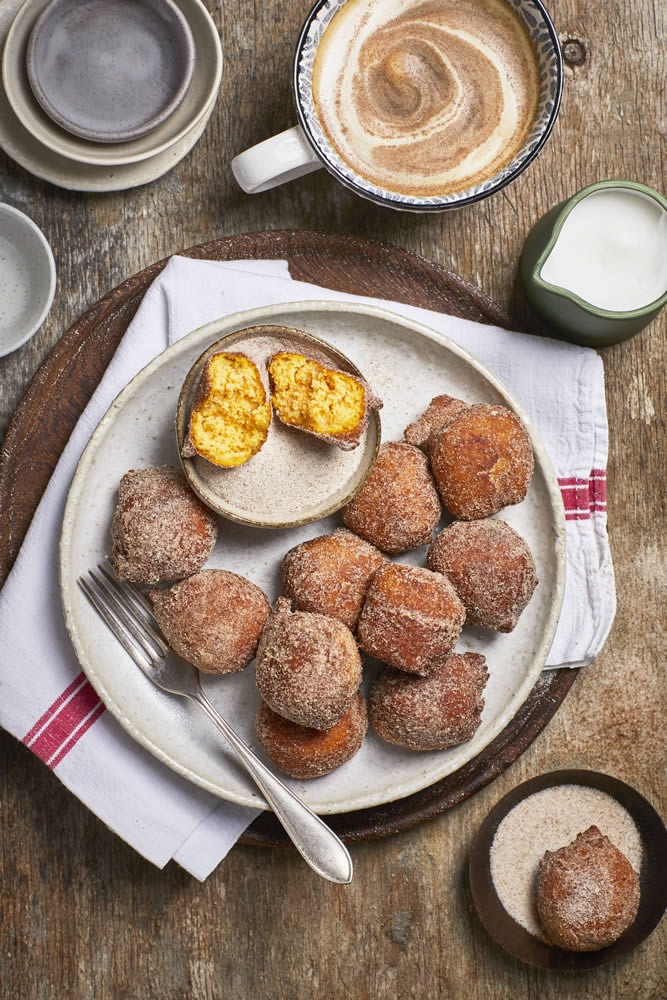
47 701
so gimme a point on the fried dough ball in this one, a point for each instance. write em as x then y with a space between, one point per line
430 713
439 412
230 420
329 575
411 618
587 893
304 752
160 530
213 619
482 461
397 508
491 569
308 666
331 404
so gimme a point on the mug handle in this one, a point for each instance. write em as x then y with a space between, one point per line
275 161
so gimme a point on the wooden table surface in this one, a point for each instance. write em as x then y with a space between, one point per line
83 916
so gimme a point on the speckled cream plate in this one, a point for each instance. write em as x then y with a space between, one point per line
406 364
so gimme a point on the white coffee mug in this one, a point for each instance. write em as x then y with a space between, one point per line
306 147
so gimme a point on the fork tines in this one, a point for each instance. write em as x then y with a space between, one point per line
127 613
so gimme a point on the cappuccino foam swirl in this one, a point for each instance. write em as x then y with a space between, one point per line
426 97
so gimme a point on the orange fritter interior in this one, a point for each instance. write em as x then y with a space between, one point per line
318 399
231 421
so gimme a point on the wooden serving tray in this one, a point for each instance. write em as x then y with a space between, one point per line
62 386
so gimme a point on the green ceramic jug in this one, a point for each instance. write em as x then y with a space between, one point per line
570 316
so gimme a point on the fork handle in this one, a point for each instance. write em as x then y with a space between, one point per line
316 843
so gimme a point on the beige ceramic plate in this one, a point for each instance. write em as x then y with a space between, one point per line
406 363
294 479
195 107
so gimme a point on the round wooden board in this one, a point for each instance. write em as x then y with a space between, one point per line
63 384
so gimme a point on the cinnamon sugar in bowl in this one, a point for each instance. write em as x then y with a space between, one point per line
295 478
545 814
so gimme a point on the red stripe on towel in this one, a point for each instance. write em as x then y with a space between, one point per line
77 683
76 734
64 722
582 497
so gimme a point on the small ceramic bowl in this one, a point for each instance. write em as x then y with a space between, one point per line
295 478
27 278
110 70
512 936
570 316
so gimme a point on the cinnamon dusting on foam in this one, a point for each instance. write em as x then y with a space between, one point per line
426 97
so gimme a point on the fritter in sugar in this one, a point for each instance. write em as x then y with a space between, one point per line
160 530
308 666
397 508
331 404
213 619
491 569
439 412
304 752
587 893
329 575
411 618
230 420
482 461
430 713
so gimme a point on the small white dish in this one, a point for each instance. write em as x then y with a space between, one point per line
181 124
27 278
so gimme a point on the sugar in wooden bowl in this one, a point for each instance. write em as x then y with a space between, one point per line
546 821
547 813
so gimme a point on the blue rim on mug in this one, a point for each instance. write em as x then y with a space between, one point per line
550 60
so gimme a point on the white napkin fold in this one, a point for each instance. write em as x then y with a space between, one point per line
45 699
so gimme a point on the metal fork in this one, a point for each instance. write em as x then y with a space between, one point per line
130 617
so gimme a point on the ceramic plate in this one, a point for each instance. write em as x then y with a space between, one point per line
197 102
110 70
406 363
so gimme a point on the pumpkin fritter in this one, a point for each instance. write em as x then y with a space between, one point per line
231 417
323 401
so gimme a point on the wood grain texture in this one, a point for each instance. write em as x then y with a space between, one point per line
83 915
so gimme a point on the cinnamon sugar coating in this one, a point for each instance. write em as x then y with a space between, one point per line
587 893
308 666
411 618
160 530
303 752
329 575
430 713
481 461
439 412
213 619
397 508
490 567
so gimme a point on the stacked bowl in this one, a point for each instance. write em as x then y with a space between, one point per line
108 94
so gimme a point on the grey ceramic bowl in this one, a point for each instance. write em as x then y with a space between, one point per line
110 70
326 477
570 316
27 278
